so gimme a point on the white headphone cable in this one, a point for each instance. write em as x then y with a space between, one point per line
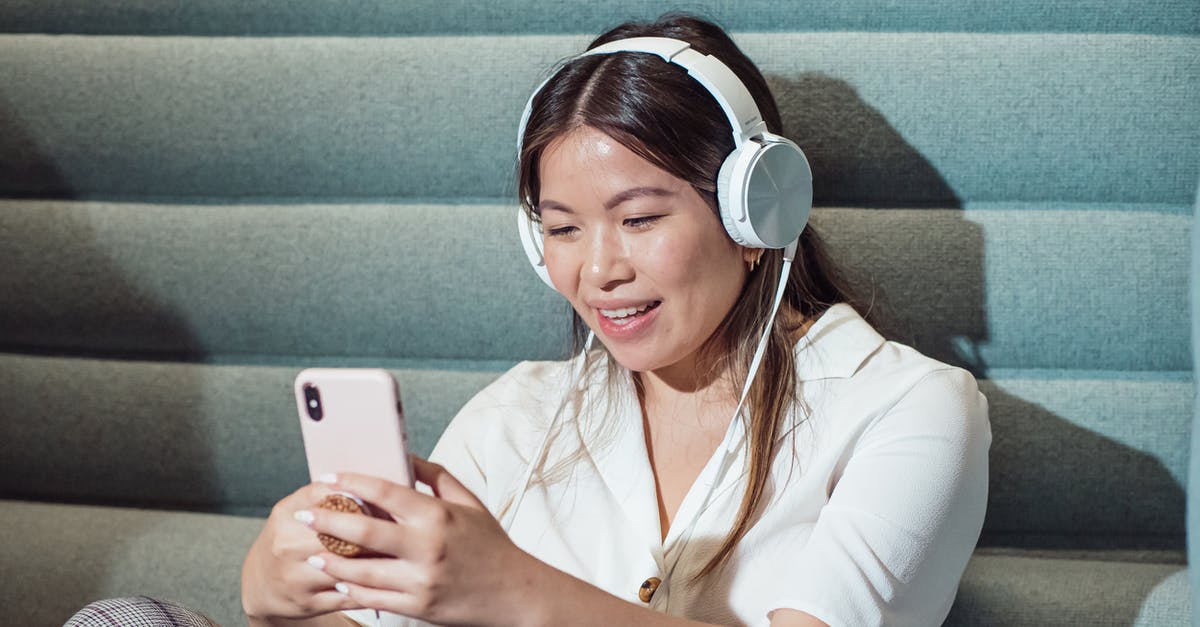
734 437
576 379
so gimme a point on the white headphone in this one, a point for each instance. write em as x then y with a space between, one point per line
764 187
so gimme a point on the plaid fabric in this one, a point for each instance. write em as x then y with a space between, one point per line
137 612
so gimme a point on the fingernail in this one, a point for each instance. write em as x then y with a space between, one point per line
343 588
304 516
328 477
316 562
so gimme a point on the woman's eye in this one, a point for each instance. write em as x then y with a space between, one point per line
641 222
560 231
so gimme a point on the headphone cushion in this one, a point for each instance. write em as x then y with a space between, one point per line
726 195
531 242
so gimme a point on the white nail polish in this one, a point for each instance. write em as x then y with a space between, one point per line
304 516
316 562
328 477
341 587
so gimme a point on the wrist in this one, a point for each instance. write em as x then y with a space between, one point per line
531 597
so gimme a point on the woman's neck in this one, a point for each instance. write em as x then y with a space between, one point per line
702 379
686 388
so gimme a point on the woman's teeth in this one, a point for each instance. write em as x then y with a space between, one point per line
625 312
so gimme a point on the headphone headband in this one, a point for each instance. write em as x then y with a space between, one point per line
709 71
726 88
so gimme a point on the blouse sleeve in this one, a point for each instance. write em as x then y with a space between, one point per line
460 450
902 521
486 443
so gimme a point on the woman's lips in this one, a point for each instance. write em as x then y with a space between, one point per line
627 326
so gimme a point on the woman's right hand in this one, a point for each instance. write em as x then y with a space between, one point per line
277 581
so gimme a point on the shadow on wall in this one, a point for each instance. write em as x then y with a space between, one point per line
857 158
83 421
1057 485
25 169
859 161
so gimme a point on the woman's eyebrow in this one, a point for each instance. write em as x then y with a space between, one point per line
636 192
620 197
545 204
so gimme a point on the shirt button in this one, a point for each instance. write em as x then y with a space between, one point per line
646 592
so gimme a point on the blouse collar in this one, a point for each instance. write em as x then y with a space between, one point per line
836 345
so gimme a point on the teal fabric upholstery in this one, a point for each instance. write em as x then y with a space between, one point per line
198 201
299 284
248 282
418 17
1193 511
84 115
71 555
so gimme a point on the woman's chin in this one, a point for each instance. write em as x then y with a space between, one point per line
636 361
627 359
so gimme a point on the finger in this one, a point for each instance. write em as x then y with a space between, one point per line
290 535
331 600
394 601
304 497
445 486
295 539
402 502
384 573
380 536
307 579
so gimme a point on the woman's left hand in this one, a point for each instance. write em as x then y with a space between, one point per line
453 563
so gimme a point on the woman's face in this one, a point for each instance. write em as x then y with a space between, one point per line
642 258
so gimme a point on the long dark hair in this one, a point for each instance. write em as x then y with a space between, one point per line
656 110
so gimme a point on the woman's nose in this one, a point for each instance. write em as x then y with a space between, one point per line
608 262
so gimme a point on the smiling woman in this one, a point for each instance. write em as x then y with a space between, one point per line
741 447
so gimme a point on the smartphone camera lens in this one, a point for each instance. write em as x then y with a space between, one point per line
312 402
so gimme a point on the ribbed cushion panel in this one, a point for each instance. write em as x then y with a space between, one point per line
234 282
1077 288
209 438
1017 590
414 17
226 438
888 118
63 557
996 117
356 280
1077 460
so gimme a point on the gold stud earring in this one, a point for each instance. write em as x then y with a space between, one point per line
754 262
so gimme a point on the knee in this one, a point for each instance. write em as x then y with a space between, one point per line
137 611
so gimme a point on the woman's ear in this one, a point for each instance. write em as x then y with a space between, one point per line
752 256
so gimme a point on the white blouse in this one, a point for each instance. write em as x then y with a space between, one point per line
875 500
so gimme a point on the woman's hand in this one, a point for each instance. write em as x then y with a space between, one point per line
277 582
453 563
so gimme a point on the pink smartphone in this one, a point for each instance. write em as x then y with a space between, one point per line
352 421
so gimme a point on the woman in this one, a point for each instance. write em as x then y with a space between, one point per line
632 486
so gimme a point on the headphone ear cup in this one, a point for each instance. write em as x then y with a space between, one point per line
532 243
768 188
726 196
777 187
